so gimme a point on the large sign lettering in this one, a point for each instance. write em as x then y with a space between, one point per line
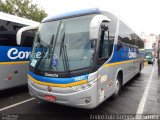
132 54
13 54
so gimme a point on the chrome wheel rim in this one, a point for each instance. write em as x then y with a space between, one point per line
117 86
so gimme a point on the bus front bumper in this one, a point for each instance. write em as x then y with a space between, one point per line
69 96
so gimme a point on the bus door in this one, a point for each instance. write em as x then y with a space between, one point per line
105 72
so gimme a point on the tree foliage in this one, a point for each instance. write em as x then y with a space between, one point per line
23 8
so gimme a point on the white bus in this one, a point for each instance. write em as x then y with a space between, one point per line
82 58
14 58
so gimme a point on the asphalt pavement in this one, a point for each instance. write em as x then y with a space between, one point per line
141 95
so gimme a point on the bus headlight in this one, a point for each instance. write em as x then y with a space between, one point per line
84 86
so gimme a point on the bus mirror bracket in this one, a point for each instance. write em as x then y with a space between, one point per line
95 26
20 31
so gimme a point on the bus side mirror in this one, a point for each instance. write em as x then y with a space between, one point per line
20 31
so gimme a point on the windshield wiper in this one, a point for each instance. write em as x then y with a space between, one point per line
50 45
63 52
44 53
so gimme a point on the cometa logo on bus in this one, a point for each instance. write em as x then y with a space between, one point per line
13 54
132 54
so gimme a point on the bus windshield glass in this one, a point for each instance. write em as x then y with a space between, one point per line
63 45
148 54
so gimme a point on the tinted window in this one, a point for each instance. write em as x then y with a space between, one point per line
126 35
8 32
112 25
106 43
107 37
27 38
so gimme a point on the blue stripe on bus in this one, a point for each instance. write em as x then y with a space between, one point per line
124 53
58 80
14 53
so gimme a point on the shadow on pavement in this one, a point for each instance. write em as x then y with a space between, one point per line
13 91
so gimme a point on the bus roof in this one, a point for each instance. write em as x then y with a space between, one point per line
83 12
16 19
72 14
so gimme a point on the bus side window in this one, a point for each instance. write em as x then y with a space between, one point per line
8 32
104 45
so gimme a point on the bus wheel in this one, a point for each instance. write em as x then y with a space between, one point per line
140 68
117 87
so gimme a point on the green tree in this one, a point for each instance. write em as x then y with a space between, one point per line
23 8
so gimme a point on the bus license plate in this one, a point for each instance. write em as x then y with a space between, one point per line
50 98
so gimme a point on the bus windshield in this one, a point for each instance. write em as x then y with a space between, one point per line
63 45
148 54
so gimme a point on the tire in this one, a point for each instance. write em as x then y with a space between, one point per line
118 85
139 73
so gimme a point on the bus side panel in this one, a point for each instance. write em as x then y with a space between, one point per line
13 66
131 66
105 83
13 58
127 53
13 75
121 61
118 62
106 77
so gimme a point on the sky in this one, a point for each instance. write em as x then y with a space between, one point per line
140 15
